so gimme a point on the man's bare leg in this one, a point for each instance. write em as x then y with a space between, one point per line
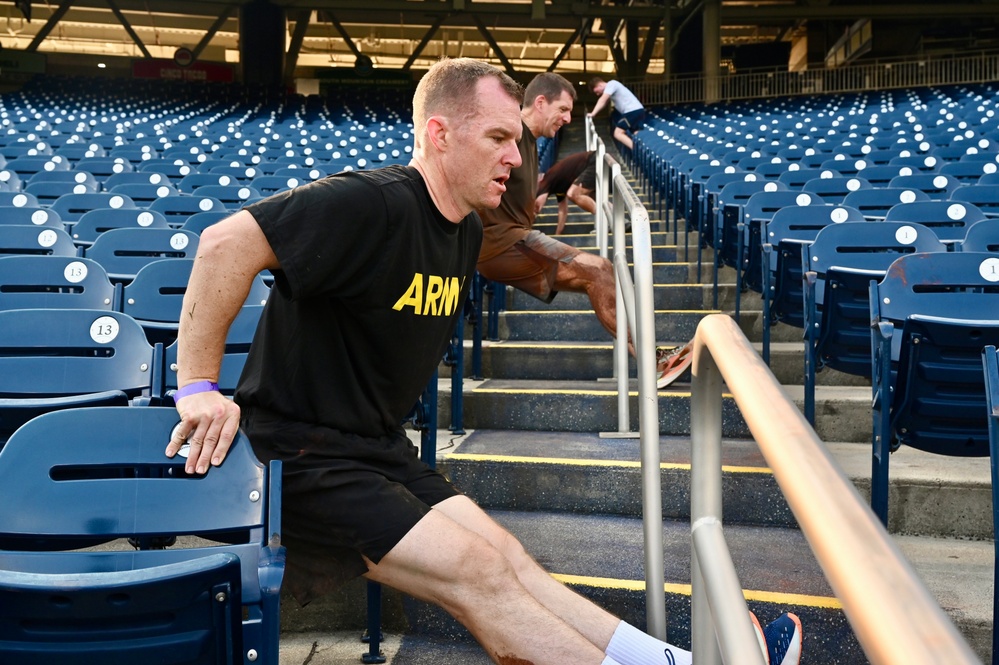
563 215
623 138
593 622
583 198
445 563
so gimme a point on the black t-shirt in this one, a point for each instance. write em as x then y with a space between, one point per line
373 279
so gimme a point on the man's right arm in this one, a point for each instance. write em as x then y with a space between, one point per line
230 255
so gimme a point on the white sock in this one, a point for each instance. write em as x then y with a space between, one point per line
631 646
609 661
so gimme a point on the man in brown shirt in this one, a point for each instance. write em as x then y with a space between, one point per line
514 253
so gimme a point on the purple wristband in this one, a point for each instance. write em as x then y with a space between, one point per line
193 388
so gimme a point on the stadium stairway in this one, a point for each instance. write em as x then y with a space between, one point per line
533 457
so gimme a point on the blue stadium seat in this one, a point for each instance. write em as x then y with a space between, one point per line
57 282
95 222
835 188
874 203
837 269
930 324
233 197
27 239
986 197
935 185
213 602
787 235
71 207
982 236
46 192
53 359
31 216
272 184
178 208
949 220
124 252
143 194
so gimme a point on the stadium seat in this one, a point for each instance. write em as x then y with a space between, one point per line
874 203
837 269
53 359
949 220
26 239
94 475
233 197
56 282
179 207
71 207
930 323
123 252
982 236
787 234
31 216
95 222
143 194
986 197
200 221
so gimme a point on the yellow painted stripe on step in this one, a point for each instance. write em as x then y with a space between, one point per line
784 599
590 311
592 393
537 345
568 461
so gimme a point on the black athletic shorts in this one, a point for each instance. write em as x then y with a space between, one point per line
343 495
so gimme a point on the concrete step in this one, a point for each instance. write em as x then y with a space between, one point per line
585 473
593 361
842 413
601 557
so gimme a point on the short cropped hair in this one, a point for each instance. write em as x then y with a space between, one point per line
448 88
593 82
548 85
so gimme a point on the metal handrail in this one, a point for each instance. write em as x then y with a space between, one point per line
635 313
894 616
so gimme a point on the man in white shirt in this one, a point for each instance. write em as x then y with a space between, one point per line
628 112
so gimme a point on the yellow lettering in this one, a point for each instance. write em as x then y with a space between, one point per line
435 286
452 288
413 296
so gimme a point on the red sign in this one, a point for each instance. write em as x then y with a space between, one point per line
155 68
183 57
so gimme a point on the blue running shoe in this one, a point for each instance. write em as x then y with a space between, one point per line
783 638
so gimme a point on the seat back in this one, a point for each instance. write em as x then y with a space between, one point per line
986 197
54 359
929 325
28 282
982 236
179 207
843 259
124 252
25 239
950 220
73 206
875 203
95 222
34 216
105 470
835 188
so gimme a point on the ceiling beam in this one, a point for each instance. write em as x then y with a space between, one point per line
423 43
295 46
496 47
51 23
343 33
128 28
565 49
213 30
